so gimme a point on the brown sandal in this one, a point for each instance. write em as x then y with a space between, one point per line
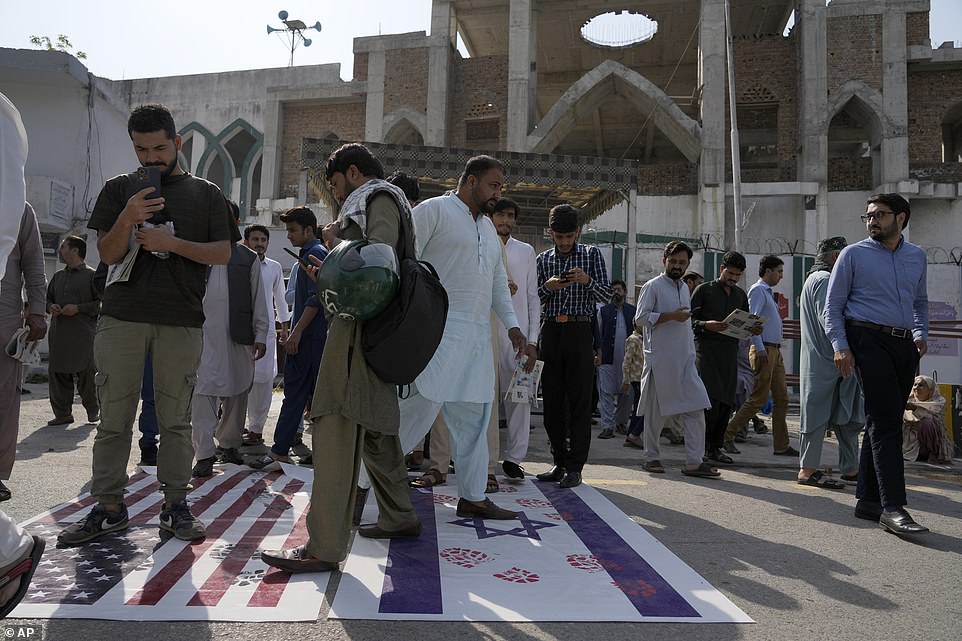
492 485
428 479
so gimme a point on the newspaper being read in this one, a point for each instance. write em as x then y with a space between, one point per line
741 324
523 387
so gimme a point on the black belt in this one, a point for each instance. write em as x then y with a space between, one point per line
775 345
564 318
897 332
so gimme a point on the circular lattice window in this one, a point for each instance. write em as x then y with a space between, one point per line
619 29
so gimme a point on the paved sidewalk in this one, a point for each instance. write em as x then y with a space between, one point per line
793 557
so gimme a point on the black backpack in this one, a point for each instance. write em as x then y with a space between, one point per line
399 342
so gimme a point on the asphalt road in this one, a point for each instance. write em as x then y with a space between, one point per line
793 557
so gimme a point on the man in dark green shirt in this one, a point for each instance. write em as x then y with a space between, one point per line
717 354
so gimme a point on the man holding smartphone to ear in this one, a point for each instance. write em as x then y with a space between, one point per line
158 311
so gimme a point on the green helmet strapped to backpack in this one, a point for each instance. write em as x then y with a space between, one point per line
358 279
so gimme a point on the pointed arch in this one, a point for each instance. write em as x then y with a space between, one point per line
608 79
403 124
866 105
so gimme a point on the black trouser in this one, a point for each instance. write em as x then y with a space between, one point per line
886 368
566 349
716 421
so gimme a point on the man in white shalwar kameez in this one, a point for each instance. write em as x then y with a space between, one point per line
670 385
16 546
257 237
523 273
455 236
226 370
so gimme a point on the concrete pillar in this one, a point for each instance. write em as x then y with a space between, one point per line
522 72
374 112
810 21
631 247
270 160
712 80
895 143
443 40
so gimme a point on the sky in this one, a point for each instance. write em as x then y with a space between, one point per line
149 39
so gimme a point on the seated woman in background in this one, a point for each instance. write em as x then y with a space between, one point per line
923 431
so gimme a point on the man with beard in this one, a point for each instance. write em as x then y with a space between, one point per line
74 303
877 318
455 236
158 310
257 238
571 279
670 385
614 321
717 361
523 284
825 397
355 413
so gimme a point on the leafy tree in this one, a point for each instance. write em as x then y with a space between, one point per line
62 44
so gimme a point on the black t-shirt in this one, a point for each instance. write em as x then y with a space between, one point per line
165 291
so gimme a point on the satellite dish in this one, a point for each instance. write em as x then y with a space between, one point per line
317 25
307 42
282 15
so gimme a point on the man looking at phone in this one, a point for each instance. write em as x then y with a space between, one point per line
571 279
305 344
157 310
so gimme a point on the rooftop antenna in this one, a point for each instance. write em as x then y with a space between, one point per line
293 31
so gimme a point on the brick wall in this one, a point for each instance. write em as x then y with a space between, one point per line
931 94
478 82
849 174
668 179
405 79
759 82
854 51
360 66
345 121
917 28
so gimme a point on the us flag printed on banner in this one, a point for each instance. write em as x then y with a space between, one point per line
145 574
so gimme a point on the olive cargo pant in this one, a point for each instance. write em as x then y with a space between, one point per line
120 349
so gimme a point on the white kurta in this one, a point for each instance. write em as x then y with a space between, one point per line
272 282
669 350
466 252
13 156
227 368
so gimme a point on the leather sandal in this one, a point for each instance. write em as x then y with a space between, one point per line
428 479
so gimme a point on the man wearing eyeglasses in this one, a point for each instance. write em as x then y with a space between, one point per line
876 316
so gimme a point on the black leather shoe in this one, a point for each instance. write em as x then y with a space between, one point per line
900 522
296 560
486 510
570 479
375 532
868 510
555 474
512 470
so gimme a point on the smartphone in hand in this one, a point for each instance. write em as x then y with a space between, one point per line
148 177
297 258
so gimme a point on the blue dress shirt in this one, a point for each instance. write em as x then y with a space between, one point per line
874 284
761 301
